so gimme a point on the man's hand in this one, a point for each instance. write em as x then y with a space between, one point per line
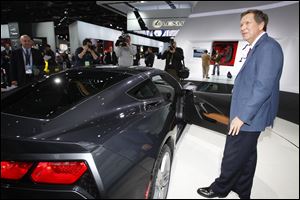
235 126
15 83
85 48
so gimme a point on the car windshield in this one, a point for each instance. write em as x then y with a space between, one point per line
59 93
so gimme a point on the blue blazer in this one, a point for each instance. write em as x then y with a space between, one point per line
255 95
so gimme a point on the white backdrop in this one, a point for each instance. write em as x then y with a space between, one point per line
283 25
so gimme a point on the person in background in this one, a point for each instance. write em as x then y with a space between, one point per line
149 57
85 55
205 64
137 57
65 60
217 58
26 64
254 106
100 52
110 57
125 51
49 56
5 59
174 57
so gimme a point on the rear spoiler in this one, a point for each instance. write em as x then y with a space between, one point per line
17 146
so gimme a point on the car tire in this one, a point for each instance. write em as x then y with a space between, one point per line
161 174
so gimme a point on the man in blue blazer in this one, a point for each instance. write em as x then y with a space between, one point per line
253 108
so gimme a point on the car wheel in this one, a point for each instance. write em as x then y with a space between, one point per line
162 172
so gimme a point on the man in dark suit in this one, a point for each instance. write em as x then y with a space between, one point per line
27 63
254 107
149 57
5 65
110 57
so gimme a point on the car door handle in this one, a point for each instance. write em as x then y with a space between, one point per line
151 105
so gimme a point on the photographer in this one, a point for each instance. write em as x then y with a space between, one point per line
85 55
173 56
125 51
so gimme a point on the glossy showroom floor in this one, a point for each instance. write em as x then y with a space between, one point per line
198 158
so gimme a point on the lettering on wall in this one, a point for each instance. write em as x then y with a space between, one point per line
157 23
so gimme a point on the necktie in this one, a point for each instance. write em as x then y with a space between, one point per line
248 53
27 56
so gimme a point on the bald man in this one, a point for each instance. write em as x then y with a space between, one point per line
27 63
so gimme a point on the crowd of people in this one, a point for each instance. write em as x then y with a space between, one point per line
30 62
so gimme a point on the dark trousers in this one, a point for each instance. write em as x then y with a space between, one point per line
174 73
238 165
28 79
218 69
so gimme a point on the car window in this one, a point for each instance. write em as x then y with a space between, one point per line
145 90
215 87
165 89
58 93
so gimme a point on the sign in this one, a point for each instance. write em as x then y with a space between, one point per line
159 33
14 34
13 30
157 23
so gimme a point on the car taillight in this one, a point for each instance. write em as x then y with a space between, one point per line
147 192
14 170
58 172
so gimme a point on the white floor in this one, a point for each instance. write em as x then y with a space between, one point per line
214 79
198 157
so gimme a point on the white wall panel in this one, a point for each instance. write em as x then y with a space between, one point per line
283 26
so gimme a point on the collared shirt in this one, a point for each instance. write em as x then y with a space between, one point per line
248 47
256 39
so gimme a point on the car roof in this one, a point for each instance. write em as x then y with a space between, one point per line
68 88
133 70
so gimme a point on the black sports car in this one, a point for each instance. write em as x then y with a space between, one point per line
93 133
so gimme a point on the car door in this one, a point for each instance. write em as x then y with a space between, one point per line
182 101
212 104
218 94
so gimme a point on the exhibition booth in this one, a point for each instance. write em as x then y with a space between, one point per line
116 139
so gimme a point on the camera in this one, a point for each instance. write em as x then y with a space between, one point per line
122 41
171 48
91 47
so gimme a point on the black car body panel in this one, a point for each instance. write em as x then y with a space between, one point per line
116 127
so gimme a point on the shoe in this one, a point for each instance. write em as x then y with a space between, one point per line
207 77
208 193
